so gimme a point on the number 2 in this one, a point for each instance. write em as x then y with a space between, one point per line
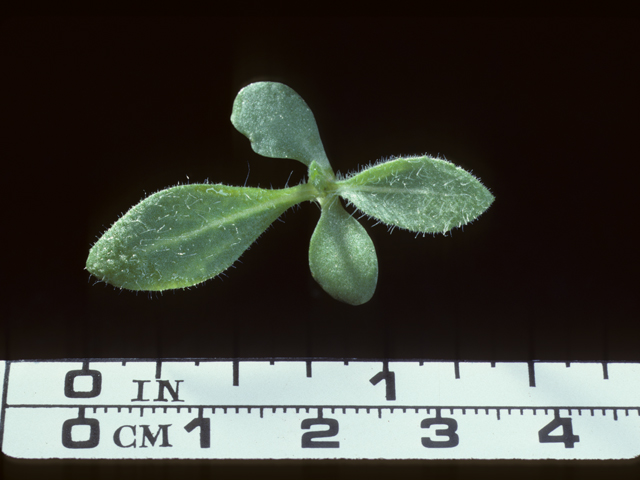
332 431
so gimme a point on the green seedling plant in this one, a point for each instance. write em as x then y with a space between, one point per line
187 234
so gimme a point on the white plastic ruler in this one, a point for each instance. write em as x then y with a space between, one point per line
319 409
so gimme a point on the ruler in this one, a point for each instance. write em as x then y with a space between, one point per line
318 409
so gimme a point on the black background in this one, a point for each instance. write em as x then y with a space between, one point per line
97 113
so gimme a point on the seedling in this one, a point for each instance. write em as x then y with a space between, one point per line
184 235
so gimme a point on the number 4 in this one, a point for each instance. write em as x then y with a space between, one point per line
567 437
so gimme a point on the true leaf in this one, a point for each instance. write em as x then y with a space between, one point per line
279 123
342 257
185 235
421 194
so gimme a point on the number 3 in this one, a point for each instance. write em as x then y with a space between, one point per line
449 432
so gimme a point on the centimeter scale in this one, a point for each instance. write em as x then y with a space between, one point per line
319 409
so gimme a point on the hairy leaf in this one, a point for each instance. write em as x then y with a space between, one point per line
421 194
342 257
185 235
279 123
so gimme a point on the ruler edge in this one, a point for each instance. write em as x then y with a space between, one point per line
303 359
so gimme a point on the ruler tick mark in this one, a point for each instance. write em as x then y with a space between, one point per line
236 373
532 374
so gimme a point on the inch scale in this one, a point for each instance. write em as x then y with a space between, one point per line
318 409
